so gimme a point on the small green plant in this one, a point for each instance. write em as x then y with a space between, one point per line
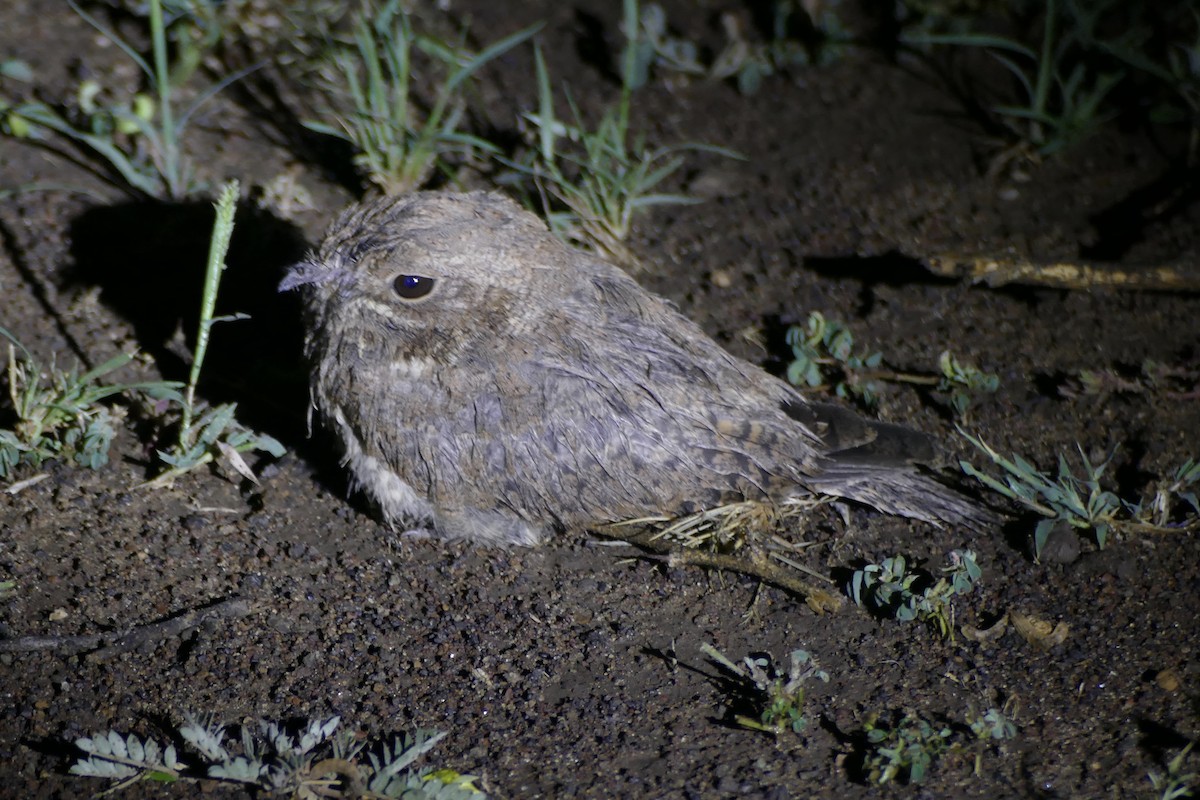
992 724
371 87
59 415
823 354
779 695
656 48
1082 502
903 751
906 750
136 140
591 183
823 41
963 382
891 588
1064 93
307 762
1175 783
206 434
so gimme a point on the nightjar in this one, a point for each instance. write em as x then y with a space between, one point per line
491 383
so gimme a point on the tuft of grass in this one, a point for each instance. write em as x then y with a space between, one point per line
778 695
206 434
311 760
59 414
1175 784
1066 70
372 84
591 182
1083 503
892 589
137 140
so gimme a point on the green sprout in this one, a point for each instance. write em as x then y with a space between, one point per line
398 145
309 761
138 139
59 415
964 382
215 433
991 725
1175 783
1082 502
892 589
591 183
779 695
822 41
823 354
907 750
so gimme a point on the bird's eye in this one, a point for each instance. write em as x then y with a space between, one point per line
413 287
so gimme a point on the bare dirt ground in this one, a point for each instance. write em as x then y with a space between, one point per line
573 669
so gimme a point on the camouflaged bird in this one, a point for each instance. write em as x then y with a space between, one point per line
491 383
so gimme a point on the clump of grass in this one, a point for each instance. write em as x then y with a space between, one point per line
1066 71
1175 783
136 140
906 750
591 182
1063 93
777 695
312 760
824 356
59 414
371 86
892 589
206 434
1083 503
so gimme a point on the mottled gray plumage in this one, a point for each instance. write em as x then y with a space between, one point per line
535 388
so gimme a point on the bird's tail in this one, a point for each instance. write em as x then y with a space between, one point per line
881 464
903 490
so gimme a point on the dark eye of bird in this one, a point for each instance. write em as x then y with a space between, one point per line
413 287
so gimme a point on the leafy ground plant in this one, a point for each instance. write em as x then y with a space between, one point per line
371 86
307 762
1083 503
778 695
137 140
823 356
591 182
906 750
892 589
59 414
